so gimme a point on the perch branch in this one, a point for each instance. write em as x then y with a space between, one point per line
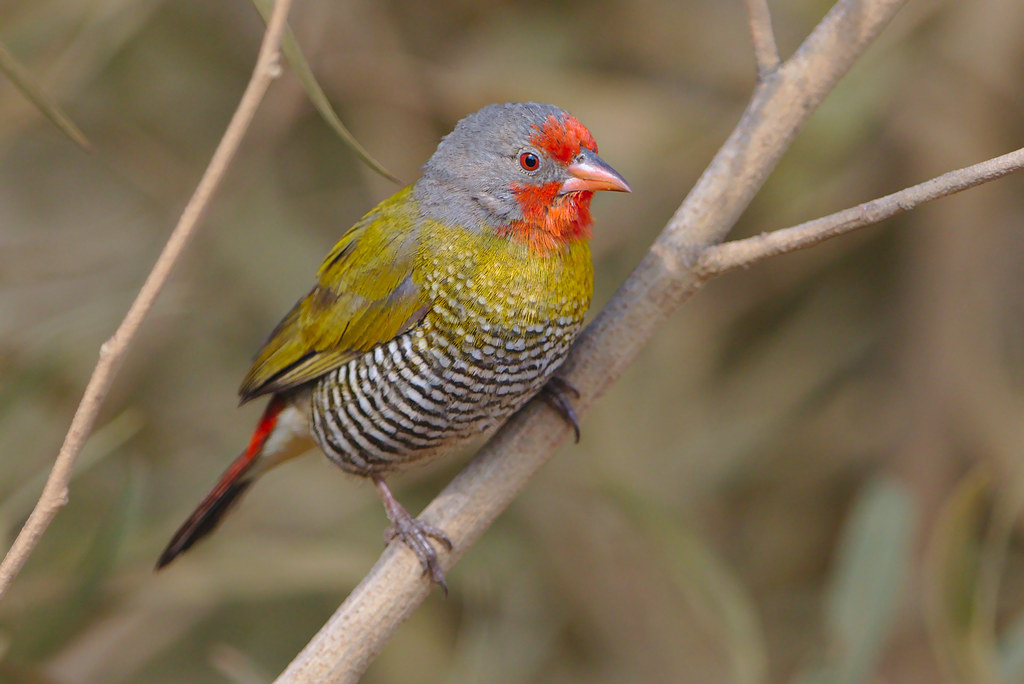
55 492
781 103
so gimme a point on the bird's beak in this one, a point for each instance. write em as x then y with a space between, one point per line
590 172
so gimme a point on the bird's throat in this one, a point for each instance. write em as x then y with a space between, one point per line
550 221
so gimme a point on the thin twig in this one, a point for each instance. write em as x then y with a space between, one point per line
763 37
112 353
718 259
358 630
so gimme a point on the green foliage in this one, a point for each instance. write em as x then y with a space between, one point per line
867 583
964 570
718 598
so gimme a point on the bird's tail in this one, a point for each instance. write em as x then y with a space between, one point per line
280 435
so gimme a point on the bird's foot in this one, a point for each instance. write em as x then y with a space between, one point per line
556 392
415 534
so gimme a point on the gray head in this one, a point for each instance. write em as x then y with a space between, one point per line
511 163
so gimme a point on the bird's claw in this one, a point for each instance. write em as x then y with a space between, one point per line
414 533
417 534
556 392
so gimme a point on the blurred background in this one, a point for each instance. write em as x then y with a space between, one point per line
812 474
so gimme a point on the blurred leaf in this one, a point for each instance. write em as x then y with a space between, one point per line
721 600
317 96
102 443
24 673
952 569
113 528
23 81
75 609
718 597
1005 655
863 602
236 666
1011 651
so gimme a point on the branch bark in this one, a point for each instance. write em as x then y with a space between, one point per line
55 493
782 102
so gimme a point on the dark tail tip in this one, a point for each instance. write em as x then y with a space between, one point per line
203 520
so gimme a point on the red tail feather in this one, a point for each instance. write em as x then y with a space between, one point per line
235 480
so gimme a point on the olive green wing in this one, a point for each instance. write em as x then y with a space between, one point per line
367 293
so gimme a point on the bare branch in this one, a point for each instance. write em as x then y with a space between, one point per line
718 259
112 353
765 51
781 104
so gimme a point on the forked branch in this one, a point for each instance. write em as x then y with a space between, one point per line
718 259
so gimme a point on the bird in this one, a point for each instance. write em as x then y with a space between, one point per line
434 318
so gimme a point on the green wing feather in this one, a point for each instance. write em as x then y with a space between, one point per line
367 293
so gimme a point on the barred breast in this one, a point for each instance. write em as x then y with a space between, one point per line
483 349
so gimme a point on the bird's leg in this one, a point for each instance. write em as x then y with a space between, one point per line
556 392
414 533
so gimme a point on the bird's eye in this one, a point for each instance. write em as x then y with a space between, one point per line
529 161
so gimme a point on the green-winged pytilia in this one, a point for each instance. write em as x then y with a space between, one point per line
435 317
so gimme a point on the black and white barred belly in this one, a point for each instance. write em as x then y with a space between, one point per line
430 387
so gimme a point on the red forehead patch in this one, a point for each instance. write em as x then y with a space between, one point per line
562 139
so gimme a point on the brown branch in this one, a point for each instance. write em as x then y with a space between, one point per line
781 104
112 353
766 54
718 259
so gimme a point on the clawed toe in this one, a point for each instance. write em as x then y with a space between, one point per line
556 392
415 534
423 529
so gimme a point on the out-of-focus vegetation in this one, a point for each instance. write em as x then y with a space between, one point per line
813 474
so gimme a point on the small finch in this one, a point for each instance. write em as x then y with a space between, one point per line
435 317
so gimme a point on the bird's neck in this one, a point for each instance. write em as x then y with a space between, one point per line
549 221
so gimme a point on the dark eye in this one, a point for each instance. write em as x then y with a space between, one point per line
529 161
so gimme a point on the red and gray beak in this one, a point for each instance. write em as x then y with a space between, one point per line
590 172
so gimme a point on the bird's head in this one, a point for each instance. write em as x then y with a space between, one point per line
525 170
